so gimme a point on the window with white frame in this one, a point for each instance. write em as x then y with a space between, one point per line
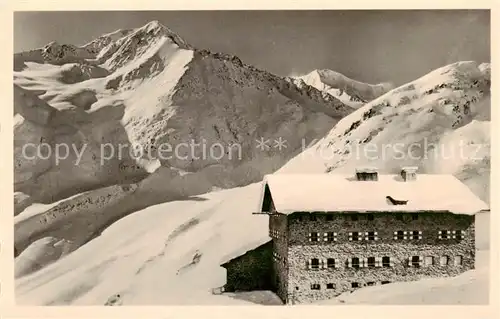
314 236
315 286
330 236
400 235
354 262
416 234
313 263
355 236
444 260
444 234
276 256
415 261
457 261
371 262
371 235
386 261
330 263
429 260
458 234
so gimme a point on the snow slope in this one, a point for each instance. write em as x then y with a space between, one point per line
439 122
349 91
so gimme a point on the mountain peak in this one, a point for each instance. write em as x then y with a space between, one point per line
153 26
357 92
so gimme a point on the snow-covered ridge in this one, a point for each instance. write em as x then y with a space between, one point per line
349 91
96 45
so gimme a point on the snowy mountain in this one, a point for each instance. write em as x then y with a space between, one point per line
349 91
147 230
439 122
145 89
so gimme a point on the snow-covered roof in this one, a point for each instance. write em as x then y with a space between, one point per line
244 248
337 193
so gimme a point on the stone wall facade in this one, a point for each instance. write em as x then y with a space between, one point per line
341 278
278 231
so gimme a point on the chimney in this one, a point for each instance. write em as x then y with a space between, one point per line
367 174
409 173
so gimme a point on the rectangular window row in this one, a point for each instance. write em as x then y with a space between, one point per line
419 261
374 262
316 263
353 217
316 286
404 235
328 236
454 234
373 235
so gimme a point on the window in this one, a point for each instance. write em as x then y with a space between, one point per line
314 263
385 282
415 261
276 256
400 235
330 263
354 217
314 236
458 234
315 286
329 217
296 287
370 283
330 286
429 260
371 235
443 261
355 285
415 234
355 236
444 234
369 217
312 218
414 217
354 262
330 236
386 261
458 261
371 262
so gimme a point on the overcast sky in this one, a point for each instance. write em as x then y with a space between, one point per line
370 46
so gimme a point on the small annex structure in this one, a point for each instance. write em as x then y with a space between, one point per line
332 233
